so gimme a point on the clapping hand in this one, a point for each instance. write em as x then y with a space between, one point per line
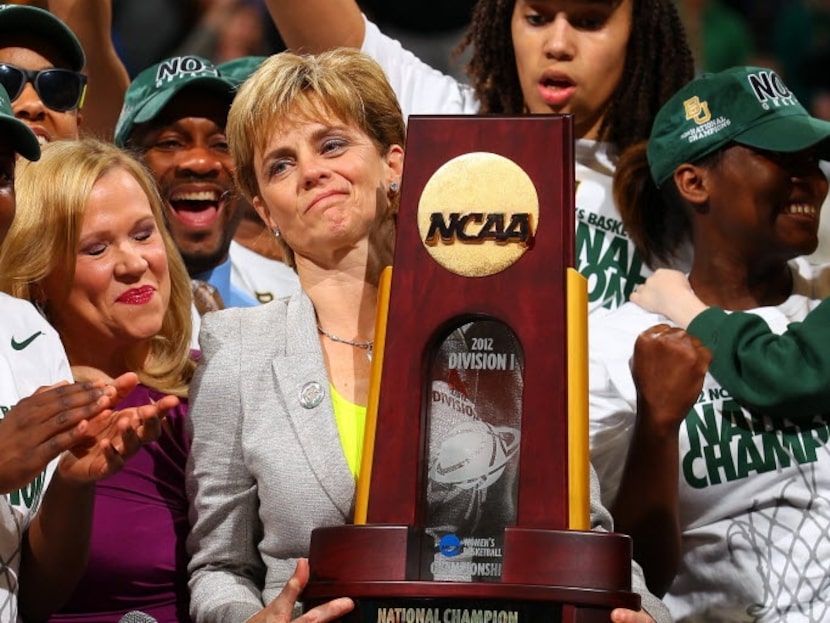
76 420
42 426
111 437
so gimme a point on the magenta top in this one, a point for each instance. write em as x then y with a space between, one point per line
137 557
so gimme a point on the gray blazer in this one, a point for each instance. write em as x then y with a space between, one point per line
266 464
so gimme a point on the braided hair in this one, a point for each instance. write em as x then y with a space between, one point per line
658 61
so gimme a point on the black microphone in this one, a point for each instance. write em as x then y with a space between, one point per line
135 616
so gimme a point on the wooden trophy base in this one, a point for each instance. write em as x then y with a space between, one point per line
555 576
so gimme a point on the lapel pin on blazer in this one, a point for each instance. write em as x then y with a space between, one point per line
311 394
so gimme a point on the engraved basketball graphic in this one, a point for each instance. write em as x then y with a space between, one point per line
474 454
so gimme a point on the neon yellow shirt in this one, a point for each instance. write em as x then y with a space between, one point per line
351 424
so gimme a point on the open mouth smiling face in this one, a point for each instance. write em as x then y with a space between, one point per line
186 149
201 218
198 209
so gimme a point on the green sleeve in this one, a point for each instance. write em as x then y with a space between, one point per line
786 374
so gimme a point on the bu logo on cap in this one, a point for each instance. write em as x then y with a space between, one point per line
696 110
183 66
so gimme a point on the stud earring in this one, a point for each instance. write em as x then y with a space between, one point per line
276 232
393 187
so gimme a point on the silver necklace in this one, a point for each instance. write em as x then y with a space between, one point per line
367 346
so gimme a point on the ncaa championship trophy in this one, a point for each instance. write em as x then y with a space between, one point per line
472 505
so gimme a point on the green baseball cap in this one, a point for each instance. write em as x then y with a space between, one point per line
21 137
17 19
153 88
746 105
238 69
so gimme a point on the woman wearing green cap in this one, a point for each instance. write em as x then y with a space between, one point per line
720 500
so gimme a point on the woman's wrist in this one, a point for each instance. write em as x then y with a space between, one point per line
684 307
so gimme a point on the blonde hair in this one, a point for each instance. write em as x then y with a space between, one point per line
52 196
342 82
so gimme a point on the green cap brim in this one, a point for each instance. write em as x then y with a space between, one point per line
152 106
22 139
33 21
788 134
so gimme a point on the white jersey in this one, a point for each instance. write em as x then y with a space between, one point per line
605 254
261 277
753 490
31 356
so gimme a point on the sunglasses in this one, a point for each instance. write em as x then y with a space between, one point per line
58 89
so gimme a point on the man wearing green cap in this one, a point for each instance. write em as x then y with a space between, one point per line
56 438
727 506
40 67
174 117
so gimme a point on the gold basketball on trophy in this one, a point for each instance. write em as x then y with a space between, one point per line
478 214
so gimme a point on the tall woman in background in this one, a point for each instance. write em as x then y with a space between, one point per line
592 59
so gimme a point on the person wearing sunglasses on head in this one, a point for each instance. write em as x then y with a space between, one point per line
42 63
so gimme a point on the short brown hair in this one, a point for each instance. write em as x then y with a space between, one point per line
345 82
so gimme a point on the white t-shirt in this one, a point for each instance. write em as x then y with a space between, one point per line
261 277
822 253
605 254
31 356
754 503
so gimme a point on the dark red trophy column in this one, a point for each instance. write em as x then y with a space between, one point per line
468 519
